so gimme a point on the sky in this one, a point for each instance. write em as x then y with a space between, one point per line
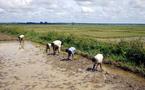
80 11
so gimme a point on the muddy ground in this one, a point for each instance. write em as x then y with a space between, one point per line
32 69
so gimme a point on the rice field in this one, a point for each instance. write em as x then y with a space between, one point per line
98 32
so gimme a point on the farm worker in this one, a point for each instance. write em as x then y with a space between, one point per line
71 51
98 59
21 40
56 45
48 46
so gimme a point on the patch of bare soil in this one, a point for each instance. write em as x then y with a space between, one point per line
32 69
4 37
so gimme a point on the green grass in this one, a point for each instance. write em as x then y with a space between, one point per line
93 31
85 39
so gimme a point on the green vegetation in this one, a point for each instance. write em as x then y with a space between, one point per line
128 54
92 31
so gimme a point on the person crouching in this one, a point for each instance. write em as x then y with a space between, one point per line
56 45
48 46
71 51
97 60
21 40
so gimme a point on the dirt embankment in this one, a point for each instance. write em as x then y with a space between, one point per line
4 37
31 69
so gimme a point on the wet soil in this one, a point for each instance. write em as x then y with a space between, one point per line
32 69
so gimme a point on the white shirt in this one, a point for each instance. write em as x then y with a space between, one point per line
57 43
72 49
99 58
49 44
21 36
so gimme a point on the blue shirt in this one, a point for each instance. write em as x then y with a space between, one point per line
72 49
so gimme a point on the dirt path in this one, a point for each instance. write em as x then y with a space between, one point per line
31 69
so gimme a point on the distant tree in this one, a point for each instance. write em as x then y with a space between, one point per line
73 23
45 23
41 22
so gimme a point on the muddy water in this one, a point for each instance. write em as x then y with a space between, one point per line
31 69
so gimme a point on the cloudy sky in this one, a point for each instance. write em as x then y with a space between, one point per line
93 11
